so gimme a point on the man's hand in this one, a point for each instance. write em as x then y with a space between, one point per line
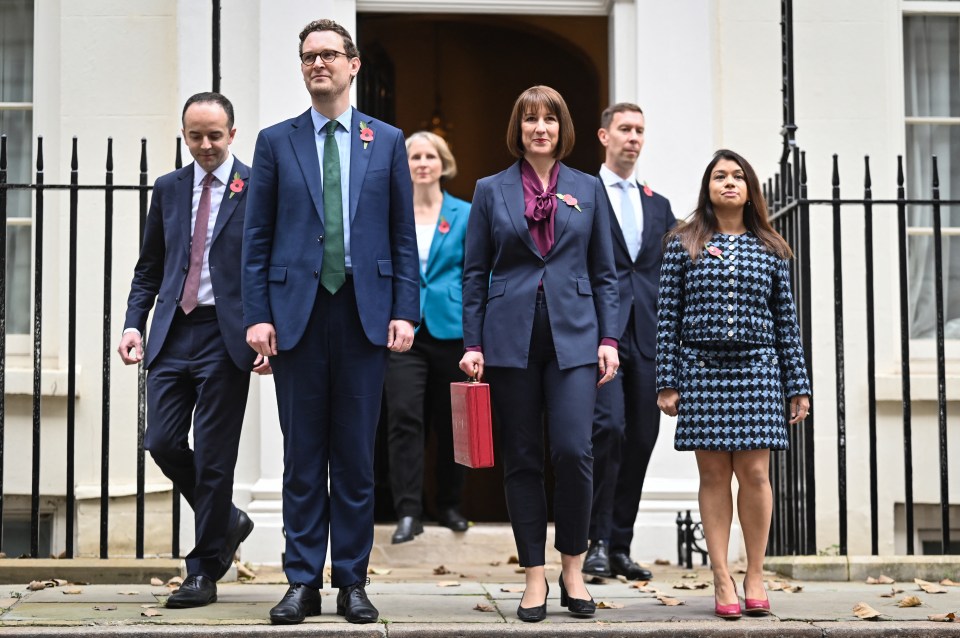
399 335
609 361
668 400
263 339
472 364
261 365
131 348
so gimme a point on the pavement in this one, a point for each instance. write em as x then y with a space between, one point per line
471 598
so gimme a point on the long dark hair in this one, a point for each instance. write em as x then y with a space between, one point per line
697 229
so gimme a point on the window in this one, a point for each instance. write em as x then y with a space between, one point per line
16 122
931 49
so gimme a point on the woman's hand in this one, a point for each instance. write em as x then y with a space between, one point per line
668 400
609 361
799 408
472 364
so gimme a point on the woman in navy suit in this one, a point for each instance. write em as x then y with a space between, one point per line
728 351
418 381
540 306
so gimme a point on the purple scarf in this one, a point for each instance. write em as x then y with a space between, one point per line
539 205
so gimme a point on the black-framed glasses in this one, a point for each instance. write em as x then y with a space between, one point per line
328 56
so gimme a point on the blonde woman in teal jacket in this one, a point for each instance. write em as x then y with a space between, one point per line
418 381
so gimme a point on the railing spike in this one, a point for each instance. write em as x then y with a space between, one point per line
866 172
39 153
3 152
143 155
178 162
836 170
74 164
900 171
936 173
110 154
803 168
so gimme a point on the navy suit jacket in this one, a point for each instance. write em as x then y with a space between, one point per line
283 235
640 279
503 269
441 292
165 257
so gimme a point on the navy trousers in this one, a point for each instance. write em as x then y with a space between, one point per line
194 376
329 388
626 424
521 398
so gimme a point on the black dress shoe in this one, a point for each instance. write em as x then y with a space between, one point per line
353 604
299 602
533 614
407 528
576 606
453 519
236 535
622 565
597 562
195 591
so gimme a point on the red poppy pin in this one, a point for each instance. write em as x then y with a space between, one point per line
714 250
647 190
569 200
443 226
366 134
236 185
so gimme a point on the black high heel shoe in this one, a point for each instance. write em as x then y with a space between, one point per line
534 614
576 606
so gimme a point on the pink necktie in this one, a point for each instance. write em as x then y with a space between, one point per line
191 287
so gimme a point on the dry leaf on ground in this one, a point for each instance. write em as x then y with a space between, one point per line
648 590
150 613
603 604
637 584
495 563
513 560
37 585
156 582
59 582
949 583
690 575
245 573
865 611
176 580
882 580
662 561
893 592
128 593
448 583
951 617
379 571
792 589
669 602
149 606
105 607
512 590
441 570
909 601
520 570
72 591
681 585
482 607
932 588
773 585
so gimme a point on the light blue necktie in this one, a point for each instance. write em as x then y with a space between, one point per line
628 220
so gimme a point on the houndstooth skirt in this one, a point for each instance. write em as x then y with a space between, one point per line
730 398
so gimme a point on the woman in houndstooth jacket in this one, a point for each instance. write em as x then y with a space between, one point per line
728 351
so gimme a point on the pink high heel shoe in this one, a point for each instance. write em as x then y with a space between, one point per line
731 611
755 606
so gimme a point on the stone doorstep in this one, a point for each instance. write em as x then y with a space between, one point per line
859 568
121 571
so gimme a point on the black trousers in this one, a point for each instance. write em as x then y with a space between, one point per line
625 428
194 376
521 398
418 397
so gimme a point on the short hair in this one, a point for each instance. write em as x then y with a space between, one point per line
620 107
330 25
446 157
532 100
209 97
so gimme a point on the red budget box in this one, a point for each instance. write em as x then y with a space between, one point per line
472 425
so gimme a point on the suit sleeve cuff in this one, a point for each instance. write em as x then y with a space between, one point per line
607 341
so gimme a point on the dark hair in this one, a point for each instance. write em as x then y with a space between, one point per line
532 100
329 25
620 107
697 229
209 97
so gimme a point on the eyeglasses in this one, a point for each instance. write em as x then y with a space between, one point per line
327 55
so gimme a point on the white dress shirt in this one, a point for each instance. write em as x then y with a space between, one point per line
344 138
218 187
611 182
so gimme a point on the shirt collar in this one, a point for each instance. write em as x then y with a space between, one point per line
222 172
320 120
610 178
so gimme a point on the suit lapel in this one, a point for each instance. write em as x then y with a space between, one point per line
185 201
359 157
647 204
450 213
566 185
615 228
304 140
511 188
230 199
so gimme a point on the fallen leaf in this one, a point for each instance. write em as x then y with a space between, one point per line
440 571
773 585
603 604
72 591
662 561
648 590
865 611
246 573
59 582
793 589
150 613
690 575
909 601
148 606
176 580
700 585
949 583
448 583
128 593
886 580
893 592
669 602
512 590
932 588
942 617
637 584
520 570
872 581
495 563
513 560
37 585
379 571
482 607
468 576
105 607
156 582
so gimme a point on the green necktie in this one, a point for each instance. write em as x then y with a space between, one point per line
333 269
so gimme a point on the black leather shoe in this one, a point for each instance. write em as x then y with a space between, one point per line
408 527
533 614
195 591
597 562
353 604
622 565
576 606
236 535
299 602
453 519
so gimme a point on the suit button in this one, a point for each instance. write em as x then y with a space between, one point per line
320 239
316 274
186 268
541 264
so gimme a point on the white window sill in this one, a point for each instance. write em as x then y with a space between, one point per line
53 382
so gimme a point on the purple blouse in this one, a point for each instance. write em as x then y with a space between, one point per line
540 205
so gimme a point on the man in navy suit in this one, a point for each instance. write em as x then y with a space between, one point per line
330 285
198 360
626 418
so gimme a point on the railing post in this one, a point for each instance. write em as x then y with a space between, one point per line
72 341
107 292
905 356
840 366
37 356
871 358
141 375
3 315
941 363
